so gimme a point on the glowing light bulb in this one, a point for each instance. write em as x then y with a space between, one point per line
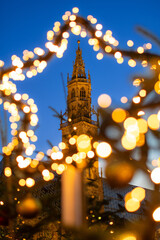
156 214
104 100
103 149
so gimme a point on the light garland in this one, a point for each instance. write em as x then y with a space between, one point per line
23 110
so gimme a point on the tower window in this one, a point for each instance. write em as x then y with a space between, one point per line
73 93
82 93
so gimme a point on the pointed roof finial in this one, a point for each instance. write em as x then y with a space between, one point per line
78 67
78 44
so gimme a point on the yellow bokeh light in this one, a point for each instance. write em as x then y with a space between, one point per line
129 237
157 87
17 97
103 149
68 160
120 60
136 99
95 144
72 141
54 166
156 214
62 145
142 92
128 142
98 33
140 113
118 55
84 143
132 63
30 182
119 115
138 193
1 63
76 30
93 20
153 122
34 163
75 10
104 100
108 49
47 178
50 35
45 173
83 34
90 154
99 26
22 182
132 205
130 43
140 50
142 125
99 56
25 96
7 171
148 45
130 122
65 35
72 18
155 175
140 140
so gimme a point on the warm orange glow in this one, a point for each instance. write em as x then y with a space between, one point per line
130 123
45 173
118 55
148 45
54 166
132 205
155 175
30 182
142 125
129 237
157 87
90 154
128 142
130 43
7 172
156 215
99 56
119 115
142 92
138 193
68 160
72 141
75 10
22 182
136 99
141 140
108 49
62 145
140 50
84 143
132 63
103 149
153 122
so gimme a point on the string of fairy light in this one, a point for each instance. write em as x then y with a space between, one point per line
23 110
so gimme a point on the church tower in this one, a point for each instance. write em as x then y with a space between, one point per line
79 106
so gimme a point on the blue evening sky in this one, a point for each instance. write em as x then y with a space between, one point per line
24 25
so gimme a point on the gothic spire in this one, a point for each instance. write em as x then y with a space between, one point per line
78 67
